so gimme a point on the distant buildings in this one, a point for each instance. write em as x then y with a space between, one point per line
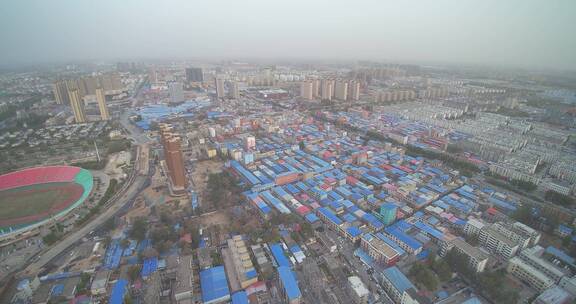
341 90
233 90
327 89
194 75
101 99
176 93
354 90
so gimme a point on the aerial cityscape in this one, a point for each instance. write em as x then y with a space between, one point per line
173 167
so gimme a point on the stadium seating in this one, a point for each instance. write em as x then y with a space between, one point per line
38 175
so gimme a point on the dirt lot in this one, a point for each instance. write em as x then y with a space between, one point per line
201 171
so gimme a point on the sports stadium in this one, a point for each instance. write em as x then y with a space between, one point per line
31 198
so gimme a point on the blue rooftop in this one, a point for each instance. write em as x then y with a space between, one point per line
288 280
118 291
240 297
398 279
279 256
354 231
214 284
561 255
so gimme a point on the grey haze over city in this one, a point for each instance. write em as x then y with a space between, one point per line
509 33
287 152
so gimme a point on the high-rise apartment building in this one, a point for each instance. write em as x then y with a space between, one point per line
102 106
61 92
341 90
327 89
234 91
174 159
306 91
316 88
354 89
77 105
194 75
219 84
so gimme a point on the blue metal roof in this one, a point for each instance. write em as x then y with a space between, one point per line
398 279
57 290
240 297
364 257
429 230
214 284
288 280
561 255
311 217
354 231
331 216
279 256
150 265
118 291
403 237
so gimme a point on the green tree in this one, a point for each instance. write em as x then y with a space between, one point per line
139 228
424 276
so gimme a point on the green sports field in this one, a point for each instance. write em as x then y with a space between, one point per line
33 203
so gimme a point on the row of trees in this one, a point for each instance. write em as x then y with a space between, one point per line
465 168
559 199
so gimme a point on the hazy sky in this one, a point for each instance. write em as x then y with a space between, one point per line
537 33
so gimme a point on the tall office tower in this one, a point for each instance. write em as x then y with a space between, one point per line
219 83
327 89
174 159
354 89
234 91
306 90
316 88
77 104
61 92
388 213
341 90
101 98
176 93
194 75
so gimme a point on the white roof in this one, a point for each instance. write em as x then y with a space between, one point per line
358 287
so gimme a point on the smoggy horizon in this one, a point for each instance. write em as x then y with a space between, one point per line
529 34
